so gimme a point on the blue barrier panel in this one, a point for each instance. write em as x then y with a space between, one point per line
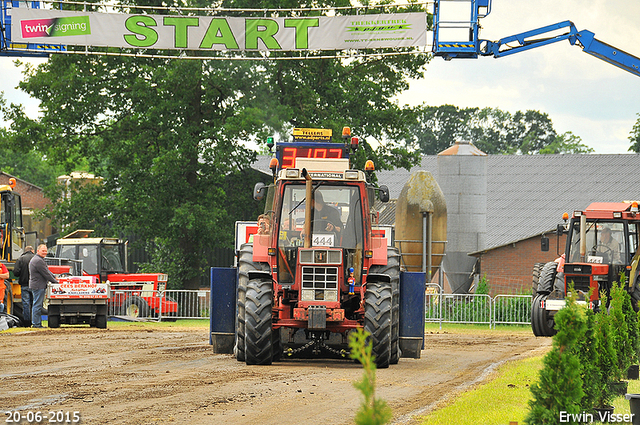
412 290
223 309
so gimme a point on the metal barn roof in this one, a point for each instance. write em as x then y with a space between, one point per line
527 194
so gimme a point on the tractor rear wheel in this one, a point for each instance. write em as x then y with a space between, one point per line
392 269
547 278
378 301
245 265
537 268
258 331
136 307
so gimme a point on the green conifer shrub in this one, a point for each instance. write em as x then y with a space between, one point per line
559 387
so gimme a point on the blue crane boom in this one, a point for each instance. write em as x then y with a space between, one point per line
473 46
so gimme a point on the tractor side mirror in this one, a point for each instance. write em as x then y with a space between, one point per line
560 230
544 244
259 190
384 193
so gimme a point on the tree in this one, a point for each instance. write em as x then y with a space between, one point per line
634 136
492 130
560 385
566 143
164 134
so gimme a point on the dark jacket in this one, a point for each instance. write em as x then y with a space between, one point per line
21 268
39 273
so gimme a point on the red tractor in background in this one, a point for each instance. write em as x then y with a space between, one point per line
602 243
132 294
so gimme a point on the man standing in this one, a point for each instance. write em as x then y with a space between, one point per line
39 276
21 270
4 274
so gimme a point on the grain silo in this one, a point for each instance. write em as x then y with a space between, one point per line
462 176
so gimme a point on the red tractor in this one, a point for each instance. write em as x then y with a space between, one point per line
133 294
318 271
601 244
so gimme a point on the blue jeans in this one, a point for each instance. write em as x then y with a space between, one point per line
27 302
36 313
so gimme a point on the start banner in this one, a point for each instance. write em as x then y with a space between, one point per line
177 32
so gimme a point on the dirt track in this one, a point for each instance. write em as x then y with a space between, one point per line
137 375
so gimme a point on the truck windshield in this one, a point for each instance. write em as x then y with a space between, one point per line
336 218
605 243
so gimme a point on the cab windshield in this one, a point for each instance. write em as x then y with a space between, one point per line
605 243
336 217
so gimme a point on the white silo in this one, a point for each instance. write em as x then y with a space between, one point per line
462 175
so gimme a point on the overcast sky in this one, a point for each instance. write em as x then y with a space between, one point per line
582 94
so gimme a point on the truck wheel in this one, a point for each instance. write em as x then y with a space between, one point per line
392 269
537 268
245 265
541 321
547 278
377 321
53 320
258 331
136 307
101 321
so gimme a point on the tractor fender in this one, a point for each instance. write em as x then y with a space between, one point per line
259 274
378 277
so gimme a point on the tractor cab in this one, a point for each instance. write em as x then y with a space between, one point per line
602 244
100 256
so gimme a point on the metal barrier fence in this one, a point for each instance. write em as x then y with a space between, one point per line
167 305
439 307
476 308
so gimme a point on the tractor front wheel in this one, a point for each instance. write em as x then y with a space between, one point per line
542 322
258 331
378 308
245 265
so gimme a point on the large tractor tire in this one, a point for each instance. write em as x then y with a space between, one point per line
547 278
542 322
258 331
392 269
378 300
245 265
537 268
136 307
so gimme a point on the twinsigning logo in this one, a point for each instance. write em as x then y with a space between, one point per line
55 27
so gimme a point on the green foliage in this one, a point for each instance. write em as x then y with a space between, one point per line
620 330
492 130
594 382
634 136
566 143
169 138
607 359
373 411
560 384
